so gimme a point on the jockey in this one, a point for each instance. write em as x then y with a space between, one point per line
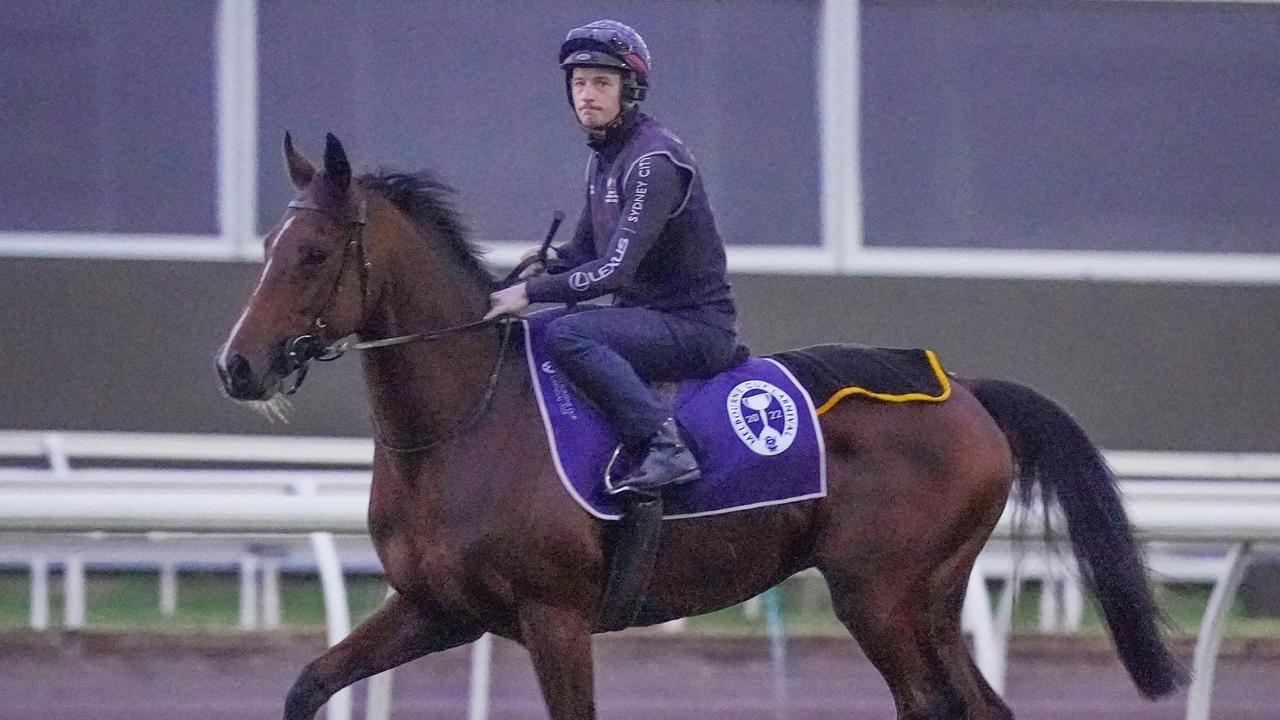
646 236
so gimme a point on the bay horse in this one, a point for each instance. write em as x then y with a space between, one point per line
476 534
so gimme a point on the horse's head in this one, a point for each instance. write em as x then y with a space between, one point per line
314 287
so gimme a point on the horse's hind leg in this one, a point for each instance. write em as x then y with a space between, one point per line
941 622
882 615
396 633
559 642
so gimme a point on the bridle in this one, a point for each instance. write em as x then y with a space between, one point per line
301 349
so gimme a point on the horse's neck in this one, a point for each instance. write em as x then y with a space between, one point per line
422 391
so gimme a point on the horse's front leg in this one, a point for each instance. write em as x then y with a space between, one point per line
396 633
559 641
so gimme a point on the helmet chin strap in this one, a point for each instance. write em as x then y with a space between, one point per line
601 134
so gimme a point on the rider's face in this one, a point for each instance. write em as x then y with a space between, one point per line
597 95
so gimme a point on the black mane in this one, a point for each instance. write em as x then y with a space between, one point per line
429 202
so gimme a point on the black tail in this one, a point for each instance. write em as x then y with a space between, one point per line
1053 452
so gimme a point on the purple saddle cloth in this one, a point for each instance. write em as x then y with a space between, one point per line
752 428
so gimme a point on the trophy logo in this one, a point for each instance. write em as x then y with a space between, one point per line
763 417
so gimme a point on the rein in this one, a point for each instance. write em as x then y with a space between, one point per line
478 409
337 350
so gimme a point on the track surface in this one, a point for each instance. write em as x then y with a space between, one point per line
145 678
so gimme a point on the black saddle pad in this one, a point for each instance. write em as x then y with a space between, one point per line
831 373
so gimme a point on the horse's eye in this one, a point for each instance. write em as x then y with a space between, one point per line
314 256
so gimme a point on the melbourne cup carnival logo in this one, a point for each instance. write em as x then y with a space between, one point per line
763 417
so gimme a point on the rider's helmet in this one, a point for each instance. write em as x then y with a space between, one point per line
608 44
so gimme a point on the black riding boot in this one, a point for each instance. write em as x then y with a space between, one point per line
666 461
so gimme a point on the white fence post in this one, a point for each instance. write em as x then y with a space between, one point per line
249 592
1049 601
1212 627
481 669
271 593
378 701
168 589
988 646
1072 602
336 612
39 593
73 611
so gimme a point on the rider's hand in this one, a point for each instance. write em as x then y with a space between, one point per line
507 301
537 268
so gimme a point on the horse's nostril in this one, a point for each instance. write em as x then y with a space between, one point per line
236 374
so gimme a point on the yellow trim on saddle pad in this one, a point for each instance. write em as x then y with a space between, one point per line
938 372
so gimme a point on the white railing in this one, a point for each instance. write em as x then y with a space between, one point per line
62 446
1217 509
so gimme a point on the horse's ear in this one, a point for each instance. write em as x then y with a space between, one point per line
336 166
300 169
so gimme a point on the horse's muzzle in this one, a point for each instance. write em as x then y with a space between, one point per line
237 377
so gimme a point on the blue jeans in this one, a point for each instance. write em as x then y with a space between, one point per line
611 353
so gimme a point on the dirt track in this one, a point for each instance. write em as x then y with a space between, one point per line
145 678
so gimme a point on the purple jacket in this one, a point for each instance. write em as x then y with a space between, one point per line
646 234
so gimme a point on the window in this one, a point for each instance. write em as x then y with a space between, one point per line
1075 126
108 117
